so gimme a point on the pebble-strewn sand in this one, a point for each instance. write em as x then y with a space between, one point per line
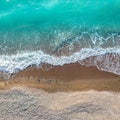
35 104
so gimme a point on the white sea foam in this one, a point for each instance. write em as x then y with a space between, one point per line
20 61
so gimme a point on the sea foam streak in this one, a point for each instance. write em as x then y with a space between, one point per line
20 61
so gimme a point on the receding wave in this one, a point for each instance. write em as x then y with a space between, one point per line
95 57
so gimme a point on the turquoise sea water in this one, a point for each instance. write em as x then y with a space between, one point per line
35 31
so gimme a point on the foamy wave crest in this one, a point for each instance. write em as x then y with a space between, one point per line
108 62
17 62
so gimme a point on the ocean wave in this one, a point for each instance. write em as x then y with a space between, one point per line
59 32
20 61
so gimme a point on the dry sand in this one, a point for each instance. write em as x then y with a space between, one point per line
35 104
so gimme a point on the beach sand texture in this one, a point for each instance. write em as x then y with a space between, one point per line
69 77
68 92
71 92
35 104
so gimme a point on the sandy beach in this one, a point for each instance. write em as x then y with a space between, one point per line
35 104
69 92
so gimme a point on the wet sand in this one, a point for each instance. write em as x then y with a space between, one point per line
70 77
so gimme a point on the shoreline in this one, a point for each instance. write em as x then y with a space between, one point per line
70 77
78 85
